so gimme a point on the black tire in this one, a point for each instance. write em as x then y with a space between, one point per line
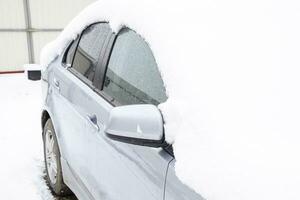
58 187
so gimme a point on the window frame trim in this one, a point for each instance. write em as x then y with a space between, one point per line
102 65
100 91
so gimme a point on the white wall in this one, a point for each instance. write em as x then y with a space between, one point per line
44 14
13 51
13 46
11 14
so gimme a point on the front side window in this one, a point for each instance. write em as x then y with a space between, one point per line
132 75
89 49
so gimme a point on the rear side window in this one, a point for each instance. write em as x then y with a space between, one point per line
68 57
132 75
90 46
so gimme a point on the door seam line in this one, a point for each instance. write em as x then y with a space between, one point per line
165 182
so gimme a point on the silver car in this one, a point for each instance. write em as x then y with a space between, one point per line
103 133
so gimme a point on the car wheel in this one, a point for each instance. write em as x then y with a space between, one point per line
52 161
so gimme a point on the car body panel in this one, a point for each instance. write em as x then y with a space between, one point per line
109 169
175 189
94 166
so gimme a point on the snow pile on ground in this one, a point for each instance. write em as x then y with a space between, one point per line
232 73
22 167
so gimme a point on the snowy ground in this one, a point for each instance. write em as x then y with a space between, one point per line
21 165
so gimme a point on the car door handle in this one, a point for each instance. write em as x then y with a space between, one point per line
92 119
56 83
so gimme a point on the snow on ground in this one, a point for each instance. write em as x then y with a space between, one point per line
232 74
21 165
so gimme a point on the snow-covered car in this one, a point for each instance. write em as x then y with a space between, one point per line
217 80
103 132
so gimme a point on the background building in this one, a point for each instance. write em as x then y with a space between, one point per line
27 25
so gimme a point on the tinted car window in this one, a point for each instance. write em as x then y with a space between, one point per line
132 75
89 49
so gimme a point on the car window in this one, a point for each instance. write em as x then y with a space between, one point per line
89 49
69 55
132 75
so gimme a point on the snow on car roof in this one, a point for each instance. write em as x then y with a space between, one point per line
231 69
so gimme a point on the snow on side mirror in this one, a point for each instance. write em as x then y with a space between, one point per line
136 124
33 72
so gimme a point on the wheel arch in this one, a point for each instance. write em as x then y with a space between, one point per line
45 116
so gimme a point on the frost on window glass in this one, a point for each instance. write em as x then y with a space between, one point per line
89 49
132 76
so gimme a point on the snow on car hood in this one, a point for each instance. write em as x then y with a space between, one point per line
232 71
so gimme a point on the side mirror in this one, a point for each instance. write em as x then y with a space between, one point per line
33 72
136 124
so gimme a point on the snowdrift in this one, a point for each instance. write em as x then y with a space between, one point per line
232 71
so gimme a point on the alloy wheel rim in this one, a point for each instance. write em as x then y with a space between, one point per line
51 158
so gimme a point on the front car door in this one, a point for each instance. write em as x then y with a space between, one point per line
110 169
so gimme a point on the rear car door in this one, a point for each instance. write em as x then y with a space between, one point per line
73 83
